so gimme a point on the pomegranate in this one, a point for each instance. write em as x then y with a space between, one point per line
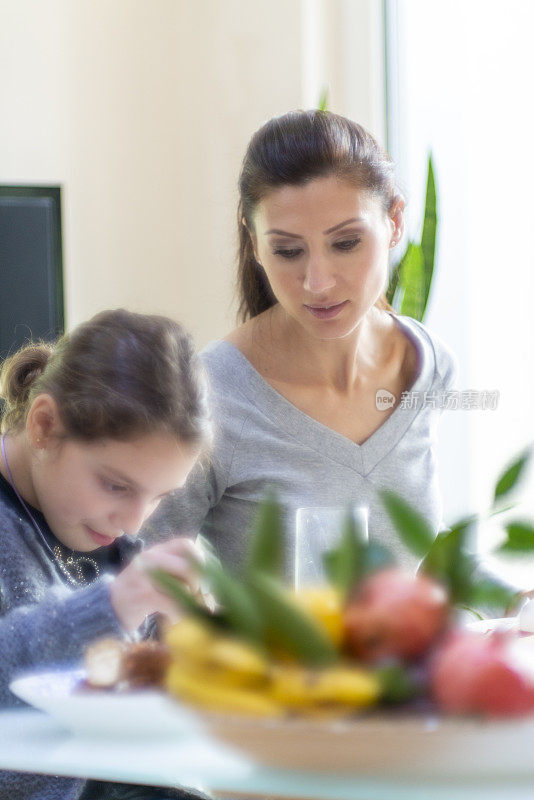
394 614
490 674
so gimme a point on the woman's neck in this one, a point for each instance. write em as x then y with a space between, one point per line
16 467
339 364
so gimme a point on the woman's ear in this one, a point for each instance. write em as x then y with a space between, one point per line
396 215
43 423
253 239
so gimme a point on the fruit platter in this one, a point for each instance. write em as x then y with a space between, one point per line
376 671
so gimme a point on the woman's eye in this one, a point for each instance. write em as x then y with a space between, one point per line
287 253
347 244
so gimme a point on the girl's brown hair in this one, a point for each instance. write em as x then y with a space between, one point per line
119 375
291 150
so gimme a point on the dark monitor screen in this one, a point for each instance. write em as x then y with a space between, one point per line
31 268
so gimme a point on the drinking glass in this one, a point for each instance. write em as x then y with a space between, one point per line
317 530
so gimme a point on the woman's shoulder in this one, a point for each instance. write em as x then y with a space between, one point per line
445 360
231 359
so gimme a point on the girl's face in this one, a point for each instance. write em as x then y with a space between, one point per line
324 248
92 493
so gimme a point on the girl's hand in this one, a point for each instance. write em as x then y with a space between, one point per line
134 596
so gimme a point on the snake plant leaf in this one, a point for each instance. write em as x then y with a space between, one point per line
520 539
413 282
323 100
511 476
266 552
289 627
428 235
394 281
411 279
411 526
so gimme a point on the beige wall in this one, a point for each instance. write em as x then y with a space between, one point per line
141 110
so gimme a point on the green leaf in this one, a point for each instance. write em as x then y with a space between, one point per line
413 282
266 553
428 235
396 682
344 564
510 477
377 556
449 562
492 593
237 601
288 626
472 611
520 538
174 588
323 100
411 526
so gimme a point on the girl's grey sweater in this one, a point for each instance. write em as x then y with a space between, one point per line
44 622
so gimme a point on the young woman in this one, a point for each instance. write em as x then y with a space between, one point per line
307 393
95 431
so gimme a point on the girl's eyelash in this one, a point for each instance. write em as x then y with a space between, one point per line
113 487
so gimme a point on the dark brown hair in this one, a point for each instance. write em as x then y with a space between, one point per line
291 150
119 375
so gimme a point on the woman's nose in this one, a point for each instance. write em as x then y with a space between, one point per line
318 277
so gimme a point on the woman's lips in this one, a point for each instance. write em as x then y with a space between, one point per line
326 311
100 538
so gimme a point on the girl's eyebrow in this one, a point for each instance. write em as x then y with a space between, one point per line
329 230
120 476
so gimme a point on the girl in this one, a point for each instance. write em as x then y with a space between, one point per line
307 393
95 431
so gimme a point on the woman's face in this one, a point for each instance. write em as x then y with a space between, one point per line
324 248
91 493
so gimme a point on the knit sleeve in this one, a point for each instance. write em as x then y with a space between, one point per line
53 632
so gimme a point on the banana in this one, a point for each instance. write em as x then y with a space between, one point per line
300 688
236 658
210 695
188 637
233 661
325 605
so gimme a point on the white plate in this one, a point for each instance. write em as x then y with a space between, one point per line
373 744
140 714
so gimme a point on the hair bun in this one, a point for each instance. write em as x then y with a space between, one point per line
16 378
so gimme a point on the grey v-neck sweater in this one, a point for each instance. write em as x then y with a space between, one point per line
261 440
